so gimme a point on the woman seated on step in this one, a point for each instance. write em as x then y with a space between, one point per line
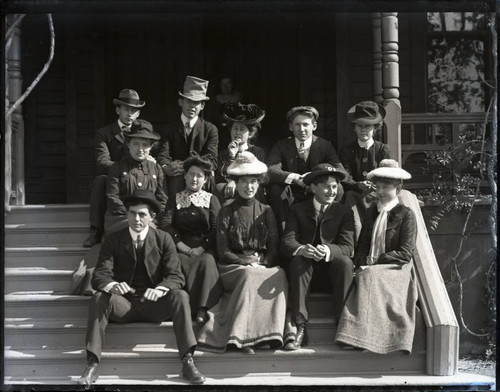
243 122
131 173
380 311
191 220
251 312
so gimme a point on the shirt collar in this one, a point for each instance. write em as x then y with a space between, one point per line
121 125
307 143
389 206
317 205
142 234
366 144
191 121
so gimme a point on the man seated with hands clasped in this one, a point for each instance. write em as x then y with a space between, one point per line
318 241
138 278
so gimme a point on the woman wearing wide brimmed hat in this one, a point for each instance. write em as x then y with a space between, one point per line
133 172
243 122
380 312
362 156
191 220
252 310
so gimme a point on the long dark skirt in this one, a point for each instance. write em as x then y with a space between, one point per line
252 309
202 280
380 311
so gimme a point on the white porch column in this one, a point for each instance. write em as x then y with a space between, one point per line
14 88
390 82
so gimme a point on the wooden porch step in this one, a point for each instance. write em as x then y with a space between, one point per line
155 361
37 279
47 305
45 234
49 257
43 213
27 333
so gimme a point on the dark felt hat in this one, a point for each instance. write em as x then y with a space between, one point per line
248 114
324 168
291 113
129 97
195 89
143 129
366 112
144 196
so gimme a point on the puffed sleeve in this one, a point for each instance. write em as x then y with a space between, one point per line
212 217
224 253
407 237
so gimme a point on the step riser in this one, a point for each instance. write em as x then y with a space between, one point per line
27 237
60 216
58 285
69 309
118 336
53 260
157 368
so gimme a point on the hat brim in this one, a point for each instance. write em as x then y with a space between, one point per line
140 104
340 175
153 203
150 136
394 173
251 121
361 120
247 169
196 98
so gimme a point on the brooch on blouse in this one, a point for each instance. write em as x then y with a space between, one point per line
200 199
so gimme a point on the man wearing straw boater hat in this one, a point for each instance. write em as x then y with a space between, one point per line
109 148
189 135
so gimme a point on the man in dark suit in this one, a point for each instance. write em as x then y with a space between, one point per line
290 159
138 279
189 135
318 241
109 146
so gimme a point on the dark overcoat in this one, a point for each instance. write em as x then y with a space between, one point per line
109 147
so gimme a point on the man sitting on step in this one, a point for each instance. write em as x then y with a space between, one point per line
138 279
318 241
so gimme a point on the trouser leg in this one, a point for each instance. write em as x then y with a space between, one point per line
300 272
341 275
97 207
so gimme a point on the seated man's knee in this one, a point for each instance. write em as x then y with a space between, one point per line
342 263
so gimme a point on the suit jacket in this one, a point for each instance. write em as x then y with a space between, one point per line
400 236
109 147
284 155
117 260
336 228
351 157
204 142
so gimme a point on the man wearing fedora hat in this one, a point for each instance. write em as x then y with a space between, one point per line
291 158
138 279
362 156
318 242
189 135
109 146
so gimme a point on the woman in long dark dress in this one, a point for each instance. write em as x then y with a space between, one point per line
243 122
191 221
380 312
252 309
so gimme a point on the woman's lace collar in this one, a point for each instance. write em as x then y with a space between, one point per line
199 199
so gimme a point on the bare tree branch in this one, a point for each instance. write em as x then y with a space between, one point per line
18 20
42 72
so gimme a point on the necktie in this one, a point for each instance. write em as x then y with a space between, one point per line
187 128
321 212
302 152
125 129
138 242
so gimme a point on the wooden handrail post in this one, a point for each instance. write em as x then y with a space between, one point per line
390 81
377 58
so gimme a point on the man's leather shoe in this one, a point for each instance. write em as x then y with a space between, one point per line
300 339
93 238
90 374
190 372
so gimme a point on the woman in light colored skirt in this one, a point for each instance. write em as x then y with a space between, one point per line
252 310
380 311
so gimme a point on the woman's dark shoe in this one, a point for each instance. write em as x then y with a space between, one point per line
248 350
201 316
301 339
190 372
90 374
